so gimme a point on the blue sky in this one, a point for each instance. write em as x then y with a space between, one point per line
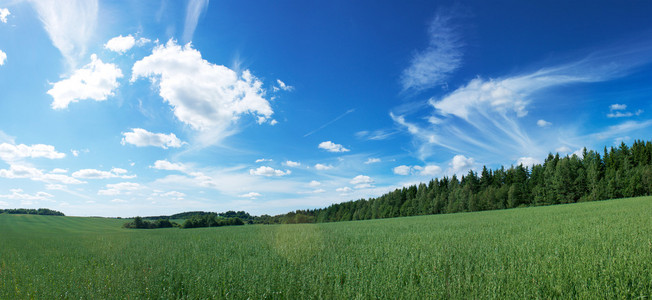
123 108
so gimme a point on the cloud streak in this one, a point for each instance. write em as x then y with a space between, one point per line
433 65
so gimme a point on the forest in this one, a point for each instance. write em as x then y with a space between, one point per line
616 173
31 211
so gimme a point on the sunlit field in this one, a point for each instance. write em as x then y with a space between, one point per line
585 250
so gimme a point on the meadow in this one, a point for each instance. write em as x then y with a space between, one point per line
584 250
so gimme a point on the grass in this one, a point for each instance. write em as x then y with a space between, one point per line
586 250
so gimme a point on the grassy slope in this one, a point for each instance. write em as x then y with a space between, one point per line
585 250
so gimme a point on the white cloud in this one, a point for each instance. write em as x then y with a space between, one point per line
20 171
118 188
263 160
361 179
207 97
120 44
372 161
332 147
618 107
282 86
4 13
543 123
3 57
10 152
59 170
461 163
322 167
430 170
98 174
75 153
443 55
268 171
402 170
142 138
344 190
95 81
194 10
563 149
53 186
174 194
292 164
527 161
251 195
618 111
166 165
70 25
314 183
620 129
17 194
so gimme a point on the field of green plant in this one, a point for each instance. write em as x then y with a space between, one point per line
585 250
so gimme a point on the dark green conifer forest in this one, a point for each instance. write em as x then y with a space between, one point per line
615 173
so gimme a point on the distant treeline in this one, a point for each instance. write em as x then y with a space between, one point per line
194 221
31 211
617 173
242 215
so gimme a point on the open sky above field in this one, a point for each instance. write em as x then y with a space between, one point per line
123 108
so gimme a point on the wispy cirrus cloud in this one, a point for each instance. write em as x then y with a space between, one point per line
70 25
433 65
194 10
489 118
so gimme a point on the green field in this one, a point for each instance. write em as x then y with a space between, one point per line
585 250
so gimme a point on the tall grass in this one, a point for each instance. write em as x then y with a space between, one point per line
585 250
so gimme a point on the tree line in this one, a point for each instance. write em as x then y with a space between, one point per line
195 221
616 173
31 211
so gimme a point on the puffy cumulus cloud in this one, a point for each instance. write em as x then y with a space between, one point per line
70 25
268 172
20 171
118 188
443 55
543 123
4 13
11 152
205 96
332 147
362 181
142 138
120 44
372 161
251 195
402 170
3 57
322 167
95 81
17 194
314 183
98 174
429 170
169 166
527 161
344 190
293 164
461 163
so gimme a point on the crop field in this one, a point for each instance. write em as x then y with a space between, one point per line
585 250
